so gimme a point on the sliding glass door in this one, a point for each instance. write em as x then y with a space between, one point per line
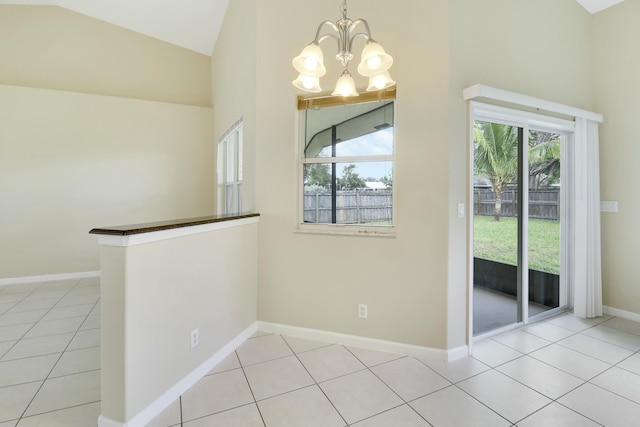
545 212
495 225
518 248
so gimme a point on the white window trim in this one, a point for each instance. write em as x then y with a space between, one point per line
491 94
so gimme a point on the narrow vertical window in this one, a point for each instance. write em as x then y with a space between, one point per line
229 171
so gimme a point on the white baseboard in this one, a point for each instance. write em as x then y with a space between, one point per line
629 315
48 278
457 353
145 416
364 342
106 422
159 405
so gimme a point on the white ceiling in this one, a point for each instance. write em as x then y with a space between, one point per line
594 6
192 24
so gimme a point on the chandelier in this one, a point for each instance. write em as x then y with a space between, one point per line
374 64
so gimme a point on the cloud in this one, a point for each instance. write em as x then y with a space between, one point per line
373 144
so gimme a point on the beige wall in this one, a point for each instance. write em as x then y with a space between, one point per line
417 292
233 75
317 281
154 294
51 47
615 38
416 283
70 162
540 49
72 158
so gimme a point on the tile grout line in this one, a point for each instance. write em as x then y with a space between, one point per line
584 382
613 392
547 364
34 323
313 379
404 402
452 384
495 368
22 337
255 402
576 412
59 358
528 353
26 332
551 342
366 367
610 366
591 356
52 369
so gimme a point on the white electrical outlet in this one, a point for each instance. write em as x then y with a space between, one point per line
195 338
362 311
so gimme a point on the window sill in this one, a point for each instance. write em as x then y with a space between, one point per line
346 230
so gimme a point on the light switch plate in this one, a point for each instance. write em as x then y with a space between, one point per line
608 206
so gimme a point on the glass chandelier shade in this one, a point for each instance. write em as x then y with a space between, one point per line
380 81
374 64
374 60
307 83
346 86
310 61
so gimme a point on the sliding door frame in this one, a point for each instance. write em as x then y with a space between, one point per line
525 121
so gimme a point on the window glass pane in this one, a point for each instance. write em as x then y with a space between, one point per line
240 155
363 193
228 192
364 175
231 157
220 198
239 197
220 175
353 184
544 240
355 130
220 162
373 144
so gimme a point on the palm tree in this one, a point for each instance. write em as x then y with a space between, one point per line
544 159
496 157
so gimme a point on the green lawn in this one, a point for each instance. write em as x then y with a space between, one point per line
497 241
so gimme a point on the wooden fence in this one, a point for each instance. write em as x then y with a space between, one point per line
543 204
352 207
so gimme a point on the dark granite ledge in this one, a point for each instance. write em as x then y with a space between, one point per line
128 230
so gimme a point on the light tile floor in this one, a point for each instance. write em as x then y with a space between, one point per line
564 371
50 354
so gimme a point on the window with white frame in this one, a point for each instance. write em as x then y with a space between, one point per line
230 171
346 162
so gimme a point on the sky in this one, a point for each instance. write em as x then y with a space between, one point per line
378 143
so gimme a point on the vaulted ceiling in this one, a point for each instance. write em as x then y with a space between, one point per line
594 6
192 24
